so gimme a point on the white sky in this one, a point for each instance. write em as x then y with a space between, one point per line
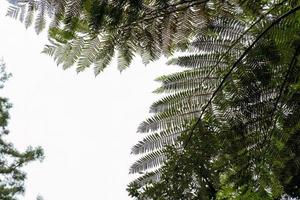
86 125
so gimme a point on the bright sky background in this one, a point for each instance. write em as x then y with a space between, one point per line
86 125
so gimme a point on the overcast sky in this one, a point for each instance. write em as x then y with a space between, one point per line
86 125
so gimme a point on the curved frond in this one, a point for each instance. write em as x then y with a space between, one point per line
148 161
156 141
151 177
180 101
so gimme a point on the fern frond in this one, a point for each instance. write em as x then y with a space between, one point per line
22 13
169 119
197 61
228 28
72 9
125 55
61 52
40 21
57 13
89 53
149 177
29 15
13 11
76 49
168 33
211 45
105 54
157 141
148 161
49 50
205 84
180 101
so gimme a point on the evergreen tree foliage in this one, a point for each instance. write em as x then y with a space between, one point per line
11 160
229 127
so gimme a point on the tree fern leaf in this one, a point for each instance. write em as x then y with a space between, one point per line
125 55
22 13
168 120
49 50
75 52
197 61
72 9
150 50
29 15
58 13
228 28
61 53
156 141
153 176
211 45
89 53
188 75
168 33
206 84
40 21
148 161
105 55
186 30
13 11
180 101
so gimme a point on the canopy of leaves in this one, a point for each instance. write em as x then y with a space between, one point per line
88 33
232 118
